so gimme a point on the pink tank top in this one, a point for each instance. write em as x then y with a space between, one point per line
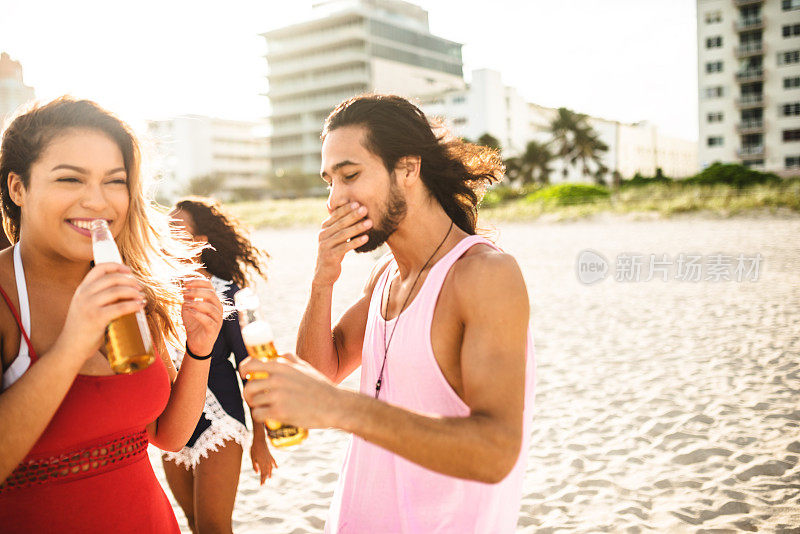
379 491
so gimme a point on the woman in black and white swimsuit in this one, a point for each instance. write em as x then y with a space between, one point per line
204 475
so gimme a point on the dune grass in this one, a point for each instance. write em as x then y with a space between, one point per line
562 203
281 213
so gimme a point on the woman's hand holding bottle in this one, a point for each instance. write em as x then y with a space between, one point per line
107 292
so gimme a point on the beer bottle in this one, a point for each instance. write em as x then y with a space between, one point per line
129 347
260 343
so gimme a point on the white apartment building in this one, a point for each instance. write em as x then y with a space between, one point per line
487 105
13 91
749 83
192 146
348 47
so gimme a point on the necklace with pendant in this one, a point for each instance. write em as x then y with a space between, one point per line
379 383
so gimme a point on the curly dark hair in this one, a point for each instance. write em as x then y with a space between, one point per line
454 172
233 254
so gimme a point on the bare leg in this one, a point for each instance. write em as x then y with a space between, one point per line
181 482
215 483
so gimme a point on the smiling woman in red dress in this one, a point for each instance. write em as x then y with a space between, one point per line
73 435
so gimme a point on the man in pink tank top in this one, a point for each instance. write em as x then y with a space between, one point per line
441 422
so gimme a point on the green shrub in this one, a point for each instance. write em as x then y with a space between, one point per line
732 174
638 180
568 194
500 194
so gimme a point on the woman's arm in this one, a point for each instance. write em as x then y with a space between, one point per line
263 462
202 320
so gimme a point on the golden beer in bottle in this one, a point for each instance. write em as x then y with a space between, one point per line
129 347
260 343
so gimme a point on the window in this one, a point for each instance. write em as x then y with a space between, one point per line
714 66
792 82
792 30
790 5
715 141
754 163
714 42
713 17
792 161
714 117
714 92
791 135
393 53
789 57
460 121
791 109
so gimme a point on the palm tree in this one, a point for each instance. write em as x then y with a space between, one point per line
532 165
588 152
490 141
563 128
576 142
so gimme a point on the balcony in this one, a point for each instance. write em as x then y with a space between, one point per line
750 75
329 60
750 126
750 49
750 101
742 3
284 49
751 152
315 83
300 149
752 23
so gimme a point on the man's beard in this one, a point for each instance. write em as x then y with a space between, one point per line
393 215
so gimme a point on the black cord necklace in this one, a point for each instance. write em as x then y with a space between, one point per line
402 308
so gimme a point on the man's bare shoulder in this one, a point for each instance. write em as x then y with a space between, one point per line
488 276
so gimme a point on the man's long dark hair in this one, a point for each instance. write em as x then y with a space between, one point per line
454 172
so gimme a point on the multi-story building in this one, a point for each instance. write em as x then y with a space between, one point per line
189 147
348 47
487 105
13 91
749 83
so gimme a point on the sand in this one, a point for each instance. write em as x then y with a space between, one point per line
661 406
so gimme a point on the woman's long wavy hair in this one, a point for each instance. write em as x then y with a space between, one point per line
232 256
159 257
454 172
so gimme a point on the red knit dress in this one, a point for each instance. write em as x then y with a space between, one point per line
89 471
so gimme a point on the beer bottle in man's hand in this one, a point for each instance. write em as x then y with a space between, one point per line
260 343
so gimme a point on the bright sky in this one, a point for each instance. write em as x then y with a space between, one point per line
627 60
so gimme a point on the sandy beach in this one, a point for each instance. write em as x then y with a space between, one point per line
661 406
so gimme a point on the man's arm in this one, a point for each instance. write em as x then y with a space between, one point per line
484 446
335 352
